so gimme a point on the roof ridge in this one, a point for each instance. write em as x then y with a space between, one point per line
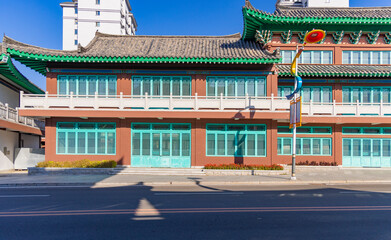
99 34
7 40
332 8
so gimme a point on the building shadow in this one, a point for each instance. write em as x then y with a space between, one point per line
200 212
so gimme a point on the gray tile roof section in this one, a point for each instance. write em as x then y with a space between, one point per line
373 12
347 70
105 45
360 12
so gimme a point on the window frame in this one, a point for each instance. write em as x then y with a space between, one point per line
227 132
76 130
310 132
292 53
150 78
362 132
299 142
86 78
236 79
150 130
348 57
281 92
361 92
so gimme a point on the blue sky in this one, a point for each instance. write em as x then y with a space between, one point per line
39 22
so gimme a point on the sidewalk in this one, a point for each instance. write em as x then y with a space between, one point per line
305 175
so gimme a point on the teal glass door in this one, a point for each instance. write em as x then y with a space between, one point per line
366 152
161 145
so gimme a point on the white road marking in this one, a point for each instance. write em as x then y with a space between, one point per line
356 192
147 218
201 193
146 211
22 196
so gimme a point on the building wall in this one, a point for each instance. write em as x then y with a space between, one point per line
114 18
8 95
315 3
198 141
30 141
68 28
8 143
327 3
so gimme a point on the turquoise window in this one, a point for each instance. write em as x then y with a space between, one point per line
366 130
305 130
366 94
366 147
86 138
308 57
236 86
314 93
87 85
161 139
305 146
366 57
161 85
236 140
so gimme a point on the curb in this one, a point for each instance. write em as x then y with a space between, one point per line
287 182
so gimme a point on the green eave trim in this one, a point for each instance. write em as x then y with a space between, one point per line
335 74
9 71
254 20
39 62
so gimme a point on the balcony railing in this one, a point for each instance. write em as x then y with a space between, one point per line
12 115
197 103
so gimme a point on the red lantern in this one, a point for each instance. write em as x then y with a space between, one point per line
315 36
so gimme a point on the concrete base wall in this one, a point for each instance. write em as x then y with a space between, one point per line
28 157
8 142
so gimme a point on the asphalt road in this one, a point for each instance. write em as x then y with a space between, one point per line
204 212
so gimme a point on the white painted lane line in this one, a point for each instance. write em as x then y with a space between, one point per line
22 196
354 192
200 193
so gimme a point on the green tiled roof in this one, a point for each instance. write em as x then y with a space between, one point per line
8 70
318 70
303 19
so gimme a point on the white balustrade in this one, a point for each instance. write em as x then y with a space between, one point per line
11 114
198 103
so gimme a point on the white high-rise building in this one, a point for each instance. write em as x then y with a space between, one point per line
314 3
82 18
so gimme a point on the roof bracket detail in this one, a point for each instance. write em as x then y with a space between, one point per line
387 38
286 37
338 37
263 37
373 37
355 37
301 36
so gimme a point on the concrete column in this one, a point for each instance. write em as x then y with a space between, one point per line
337 144
50 136
51 83
272 142
337 92
272 85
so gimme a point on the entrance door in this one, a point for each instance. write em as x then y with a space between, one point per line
366 152
161 145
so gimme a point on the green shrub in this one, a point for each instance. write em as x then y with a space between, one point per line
314 163
243 167
85 163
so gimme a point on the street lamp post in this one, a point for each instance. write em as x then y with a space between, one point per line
314 36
